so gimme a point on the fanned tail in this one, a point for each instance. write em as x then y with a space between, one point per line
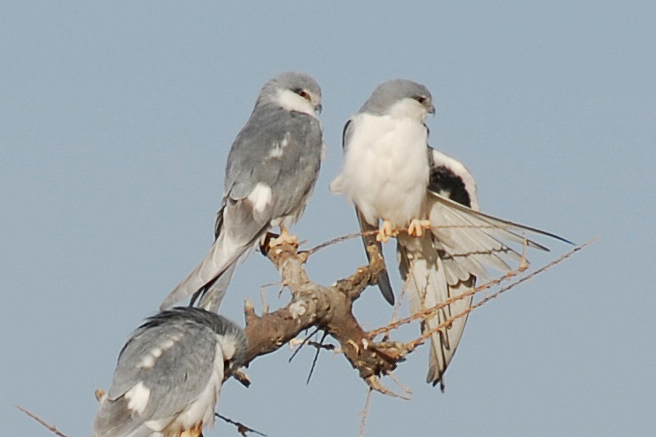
431 280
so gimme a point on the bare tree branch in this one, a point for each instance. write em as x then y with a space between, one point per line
364 414
52 428
241 428
331 309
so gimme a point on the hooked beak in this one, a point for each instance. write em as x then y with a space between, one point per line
318 108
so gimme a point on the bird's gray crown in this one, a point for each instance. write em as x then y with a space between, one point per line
292 81
388 93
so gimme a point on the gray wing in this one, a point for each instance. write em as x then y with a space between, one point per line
384 283
463 247
278 151
173 380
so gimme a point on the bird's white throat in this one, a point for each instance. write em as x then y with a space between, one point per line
291 101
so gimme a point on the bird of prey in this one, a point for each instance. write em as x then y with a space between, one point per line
428 201
270 174
169 374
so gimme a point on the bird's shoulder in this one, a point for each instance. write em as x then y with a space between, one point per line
450 178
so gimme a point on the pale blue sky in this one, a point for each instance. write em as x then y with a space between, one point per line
115 122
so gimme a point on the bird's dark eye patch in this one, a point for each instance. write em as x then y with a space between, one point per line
421 99
301 92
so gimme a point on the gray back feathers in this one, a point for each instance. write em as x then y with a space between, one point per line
171 356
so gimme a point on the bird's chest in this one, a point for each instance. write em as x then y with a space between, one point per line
389 171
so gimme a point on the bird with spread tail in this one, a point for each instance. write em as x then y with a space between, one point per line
403 188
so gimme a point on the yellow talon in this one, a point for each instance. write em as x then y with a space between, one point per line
385 231
355 345
194 431
417 227
284 237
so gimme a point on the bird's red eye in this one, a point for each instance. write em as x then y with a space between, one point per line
301 92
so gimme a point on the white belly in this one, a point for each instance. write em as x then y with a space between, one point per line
385 170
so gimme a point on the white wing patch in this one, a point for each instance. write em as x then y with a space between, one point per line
279 148
138 397
228 346
149 360
260 198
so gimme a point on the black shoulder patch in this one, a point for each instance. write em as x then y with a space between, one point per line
446 182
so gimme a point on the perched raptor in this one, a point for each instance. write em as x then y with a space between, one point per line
270 174
169 374
428 201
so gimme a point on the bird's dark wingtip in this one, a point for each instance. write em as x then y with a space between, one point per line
386 287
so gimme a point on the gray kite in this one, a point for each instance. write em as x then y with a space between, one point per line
270 174
169 374
392 175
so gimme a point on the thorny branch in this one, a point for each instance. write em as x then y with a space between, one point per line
331 309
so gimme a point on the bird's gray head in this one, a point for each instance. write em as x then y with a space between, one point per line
234 343
400 98
293 91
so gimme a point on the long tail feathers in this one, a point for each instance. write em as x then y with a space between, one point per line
210 297
430 281
222 256
495 224
447 262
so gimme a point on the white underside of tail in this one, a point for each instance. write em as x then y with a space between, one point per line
428 286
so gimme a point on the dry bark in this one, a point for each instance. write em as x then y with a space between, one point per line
328 308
